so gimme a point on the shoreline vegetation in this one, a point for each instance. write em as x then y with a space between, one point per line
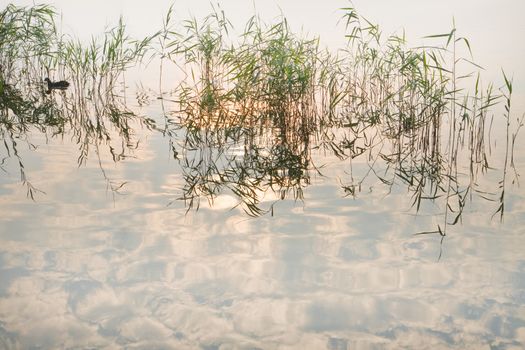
421 117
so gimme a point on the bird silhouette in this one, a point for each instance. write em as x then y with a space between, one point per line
57 85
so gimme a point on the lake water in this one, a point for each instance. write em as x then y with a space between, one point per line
108 256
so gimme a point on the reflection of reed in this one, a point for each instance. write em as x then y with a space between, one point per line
90 110
400 109
210 166
97 125
273 94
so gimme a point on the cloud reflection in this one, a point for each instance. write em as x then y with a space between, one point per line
327 273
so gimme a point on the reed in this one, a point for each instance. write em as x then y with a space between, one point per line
30 49
406 111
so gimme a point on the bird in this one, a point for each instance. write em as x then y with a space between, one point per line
58 85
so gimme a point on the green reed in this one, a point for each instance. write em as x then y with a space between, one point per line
406 111
414 100
25 38
31 48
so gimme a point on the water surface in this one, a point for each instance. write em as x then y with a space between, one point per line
108 255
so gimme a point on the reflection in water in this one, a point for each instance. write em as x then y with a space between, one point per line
257 110
247 160
271 118
90 112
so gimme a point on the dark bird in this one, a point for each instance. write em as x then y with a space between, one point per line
58 85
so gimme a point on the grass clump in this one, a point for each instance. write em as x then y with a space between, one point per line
405 112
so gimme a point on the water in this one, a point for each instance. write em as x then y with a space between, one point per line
110 257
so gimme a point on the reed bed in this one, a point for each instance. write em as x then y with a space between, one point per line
409 112
92 111
402 106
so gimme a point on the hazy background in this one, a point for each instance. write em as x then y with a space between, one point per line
495 30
